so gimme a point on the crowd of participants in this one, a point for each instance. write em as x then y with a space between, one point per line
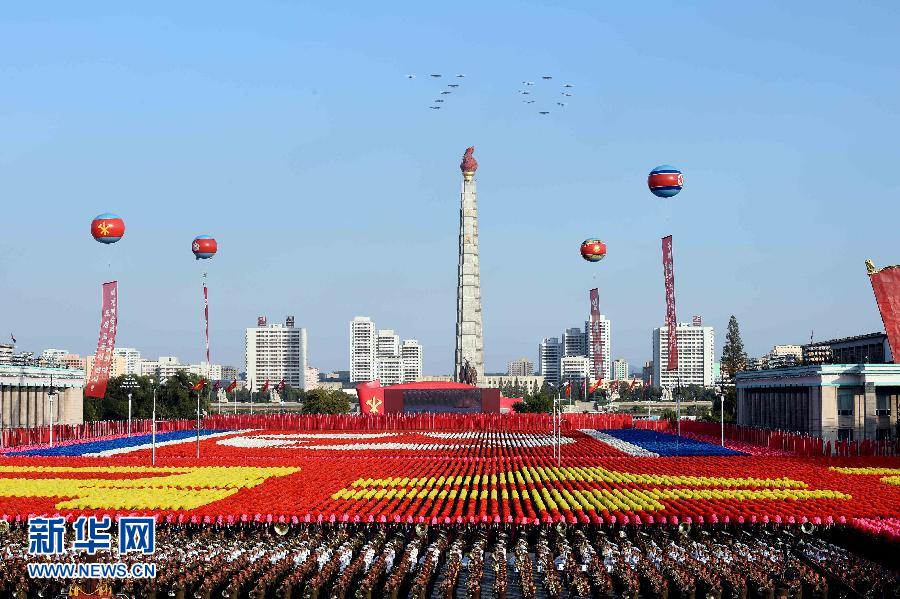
555 561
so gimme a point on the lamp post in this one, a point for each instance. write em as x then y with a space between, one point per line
51 393
722 411
130 384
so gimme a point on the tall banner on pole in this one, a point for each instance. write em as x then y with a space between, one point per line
596 334
671 322
106 342
886 285
206 319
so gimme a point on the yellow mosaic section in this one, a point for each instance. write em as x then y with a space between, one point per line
890 476
173 488
548 495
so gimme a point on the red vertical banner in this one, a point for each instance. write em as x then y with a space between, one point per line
671 322
106 342
886 285
596 334
206 319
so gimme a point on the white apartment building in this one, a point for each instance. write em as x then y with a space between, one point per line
574 368
275 352
387 344
411 358
549 355
362 350
696 351
605 348
312 378
53 355
531 382
149 367
132 359
620 370
389 370
520 367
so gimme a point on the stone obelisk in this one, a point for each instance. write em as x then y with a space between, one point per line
469 339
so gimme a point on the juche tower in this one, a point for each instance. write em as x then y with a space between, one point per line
469 339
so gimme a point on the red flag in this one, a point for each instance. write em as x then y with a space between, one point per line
231 387
671 322
595 386
200 384
886 285
106 342
280 386
265 387
568 390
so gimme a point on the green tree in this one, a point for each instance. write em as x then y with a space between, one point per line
539 403
734 359
174 399
323 401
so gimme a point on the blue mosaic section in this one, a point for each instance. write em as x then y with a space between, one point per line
667 445
79 449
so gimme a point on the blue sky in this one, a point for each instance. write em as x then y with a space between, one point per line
291 134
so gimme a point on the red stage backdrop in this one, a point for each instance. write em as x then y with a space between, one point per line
596 334
106 343
886 284
671 323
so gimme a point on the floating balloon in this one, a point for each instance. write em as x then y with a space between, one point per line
665 181
204 247
107 228
593 250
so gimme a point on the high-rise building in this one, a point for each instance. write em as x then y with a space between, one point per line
389 370
275 352
229 373
132 359
696 351
647 373
605 347
469 336
312 378
549 355
411 357
362 350
575 343
387 344
620 370
520 367
574 368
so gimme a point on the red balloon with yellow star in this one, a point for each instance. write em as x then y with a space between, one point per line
107 228
593 250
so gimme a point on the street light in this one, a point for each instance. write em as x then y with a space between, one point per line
722 410
51 392
153 423
130 384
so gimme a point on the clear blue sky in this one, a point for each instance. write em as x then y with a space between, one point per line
290 132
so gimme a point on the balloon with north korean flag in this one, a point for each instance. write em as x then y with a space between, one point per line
665 181
593 250
204 247
107 228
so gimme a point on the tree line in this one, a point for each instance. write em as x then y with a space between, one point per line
175 398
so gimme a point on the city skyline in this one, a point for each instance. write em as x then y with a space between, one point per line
251 137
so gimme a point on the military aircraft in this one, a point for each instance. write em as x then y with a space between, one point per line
410 76
568 85
567 95
560 104
445 92
460 75
544 112
546 77
435 107
435 76
453 85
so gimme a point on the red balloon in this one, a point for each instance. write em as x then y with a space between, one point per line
593 250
